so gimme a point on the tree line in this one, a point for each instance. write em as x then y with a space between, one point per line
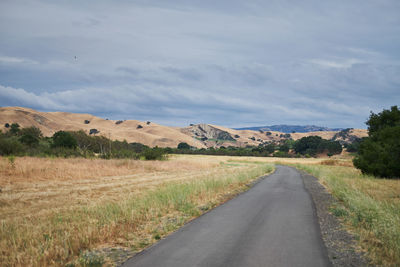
31 142
309 146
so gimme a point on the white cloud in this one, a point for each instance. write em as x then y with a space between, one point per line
16 60
342 64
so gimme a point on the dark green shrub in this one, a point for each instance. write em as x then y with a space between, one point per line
138 147
14 129
10 146
308 145
64 139
30 136
313 145
379 153
153 154
284 148
93 131
184 145
333 147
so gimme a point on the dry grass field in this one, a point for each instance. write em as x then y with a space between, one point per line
81 211
56 211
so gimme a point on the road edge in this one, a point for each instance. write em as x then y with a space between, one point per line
230 197
340 244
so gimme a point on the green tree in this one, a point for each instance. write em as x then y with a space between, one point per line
308 145
384 119
333 147
284 147
379 153
184 145
10 146
14 129
30 136
64 139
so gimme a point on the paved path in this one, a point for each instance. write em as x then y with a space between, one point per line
272 224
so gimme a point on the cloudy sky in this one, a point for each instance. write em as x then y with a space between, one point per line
230 62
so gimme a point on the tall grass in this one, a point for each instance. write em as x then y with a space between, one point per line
371 208
136 222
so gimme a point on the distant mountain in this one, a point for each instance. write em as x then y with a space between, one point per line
290 128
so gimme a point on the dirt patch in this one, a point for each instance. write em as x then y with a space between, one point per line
341 245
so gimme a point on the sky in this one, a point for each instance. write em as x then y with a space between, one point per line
230 62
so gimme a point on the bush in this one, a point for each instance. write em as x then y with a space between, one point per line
284 148
64 139
153 154
93 131
10 146
14 129
314 144
138 147
353 147
184 145
308 145
379 153
30 136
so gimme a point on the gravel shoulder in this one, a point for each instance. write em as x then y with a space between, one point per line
341 245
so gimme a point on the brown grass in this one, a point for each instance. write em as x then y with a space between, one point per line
52 209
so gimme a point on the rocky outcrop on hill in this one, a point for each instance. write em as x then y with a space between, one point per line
207 132
347 136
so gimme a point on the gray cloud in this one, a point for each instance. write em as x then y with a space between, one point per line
233 63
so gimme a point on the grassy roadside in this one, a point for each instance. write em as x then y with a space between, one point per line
74 236
369 207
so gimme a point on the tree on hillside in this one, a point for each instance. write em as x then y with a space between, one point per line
64 139
307 145
30 136
313 145
379 153
14 129
184 145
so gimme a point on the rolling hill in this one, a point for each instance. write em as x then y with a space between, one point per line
152 134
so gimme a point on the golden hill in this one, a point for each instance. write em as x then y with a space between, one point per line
152 134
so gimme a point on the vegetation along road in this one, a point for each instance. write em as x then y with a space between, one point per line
272 224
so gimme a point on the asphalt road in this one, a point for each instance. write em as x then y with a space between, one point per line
272 224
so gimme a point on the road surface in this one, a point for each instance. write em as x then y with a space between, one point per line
272 224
